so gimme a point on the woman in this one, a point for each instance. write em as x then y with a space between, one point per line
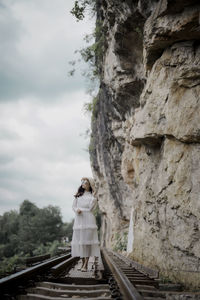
85 238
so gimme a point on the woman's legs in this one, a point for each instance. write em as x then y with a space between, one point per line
85 266
86 261
83 262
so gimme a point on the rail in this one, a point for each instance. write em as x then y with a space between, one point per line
120 278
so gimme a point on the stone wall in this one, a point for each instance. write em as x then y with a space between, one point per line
144 149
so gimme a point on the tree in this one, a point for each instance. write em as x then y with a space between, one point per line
49 224
68 229
9 226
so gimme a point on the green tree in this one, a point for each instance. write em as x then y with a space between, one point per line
28 227
28 208
68 229
49 224
9 226
31 231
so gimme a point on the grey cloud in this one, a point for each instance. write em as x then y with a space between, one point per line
42 153
45 75
7 134
5 159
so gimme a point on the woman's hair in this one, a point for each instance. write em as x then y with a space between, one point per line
81 191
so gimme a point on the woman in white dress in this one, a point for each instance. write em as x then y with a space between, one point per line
85 241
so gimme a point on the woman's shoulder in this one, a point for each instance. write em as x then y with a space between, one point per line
88 194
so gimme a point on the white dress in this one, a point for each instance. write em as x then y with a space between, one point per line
85 241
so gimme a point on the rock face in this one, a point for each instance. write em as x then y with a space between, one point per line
145 142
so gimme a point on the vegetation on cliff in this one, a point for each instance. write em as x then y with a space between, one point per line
93 53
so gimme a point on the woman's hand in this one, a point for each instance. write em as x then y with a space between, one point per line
79 211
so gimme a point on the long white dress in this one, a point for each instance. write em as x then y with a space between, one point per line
85 241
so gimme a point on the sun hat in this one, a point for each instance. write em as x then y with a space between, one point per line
91 181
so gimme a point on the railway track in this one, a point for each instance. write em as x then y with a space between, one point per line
116 278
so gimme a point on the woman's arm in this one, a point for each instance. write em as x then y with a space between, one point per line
74 206
93 203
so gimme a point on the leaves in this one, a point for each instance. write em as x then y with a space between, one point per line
80 7
26 230
78 10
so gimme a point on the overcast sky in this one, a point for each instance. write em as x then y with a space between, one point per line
42 121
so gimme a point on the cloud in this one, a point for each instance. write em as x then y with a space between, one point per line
42 124
47 159
38 39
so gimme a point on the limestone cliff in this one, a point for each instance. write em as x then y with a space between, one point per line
145 142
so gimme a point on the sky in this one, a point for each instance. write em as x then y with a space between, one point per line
43 145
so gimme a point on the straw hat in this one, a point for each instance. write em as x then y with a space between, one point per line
91 181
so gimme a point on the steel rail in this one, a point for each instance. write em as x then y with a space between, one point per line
152 273
121 280
29 272
58 268
127 288
36 259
